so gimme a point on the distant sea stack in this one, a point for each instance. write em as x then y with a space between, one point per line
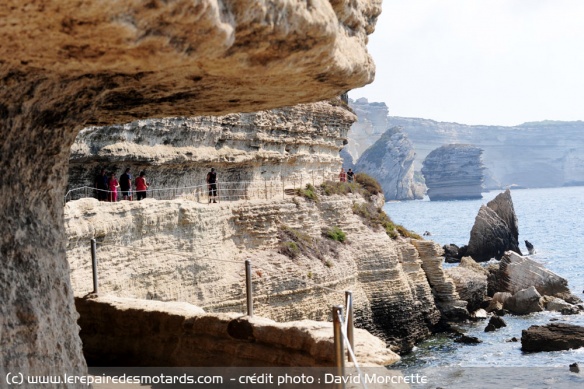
454 172
390 160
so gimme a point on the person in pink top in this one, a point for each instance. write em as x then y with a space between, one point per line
343 175
113 188
141 186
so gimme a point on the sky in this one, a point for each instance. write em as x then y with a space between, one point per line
495 62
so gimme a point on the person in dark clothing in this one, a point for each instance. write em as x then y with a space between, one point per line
350 175
101 185
212 184
126 185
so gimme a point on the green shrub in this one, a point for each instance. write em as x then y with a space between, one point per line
368 183
309 192
289 248
336 234
375 218
407 233
329 188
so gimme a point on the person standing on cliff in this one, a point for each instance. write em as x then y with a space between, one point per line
212 184
343 175
113 188
141 186
350 175
126 185
101 185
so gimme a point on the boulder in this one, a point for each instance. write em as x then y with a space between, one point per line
454 172
451 253
467 339
557 304
470 285
479 314
574 368
525 301
552 337
495 323
517 272
495 230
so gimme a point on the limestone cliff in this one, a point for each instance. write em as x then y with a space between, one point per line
67 64
535 154
181 250
372 122
390 161
454 172
286 146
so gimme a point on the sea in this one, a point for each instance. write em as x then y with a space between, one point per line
551 219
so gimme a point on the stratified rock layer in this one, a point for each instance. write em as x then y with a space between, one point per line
390 161
185 251
443 287
517 272
495 230
454 172
267 150
66 64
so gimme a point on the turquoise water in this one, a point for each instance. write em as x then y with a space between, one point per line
551 220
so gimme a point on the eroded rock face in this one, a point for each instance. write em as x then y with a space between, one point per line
447 298
287 147
454 172
470 285
66 64
176 251
372 122
390 161
495 230
517 272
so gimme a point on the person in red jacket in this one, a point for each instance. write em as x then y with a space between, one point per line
141 186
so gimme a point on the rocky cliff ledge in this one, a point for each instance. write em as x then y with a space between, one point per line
129 332
184 251
67 64
390 160
288 147
454 172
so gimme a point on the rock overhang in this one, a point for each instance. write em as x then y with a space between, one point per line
191 57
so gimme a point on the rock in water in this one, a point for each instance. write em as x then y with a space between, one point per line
390 160
495 230
524 301
495 323
574 368
517 272
454 172
530 248
552 337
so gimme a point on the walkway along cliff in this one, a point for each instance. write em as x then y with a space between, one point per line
191 251
64 67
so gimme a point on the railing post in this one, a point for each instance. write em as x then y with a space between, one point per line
94 264
339 344
248 288
350 327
